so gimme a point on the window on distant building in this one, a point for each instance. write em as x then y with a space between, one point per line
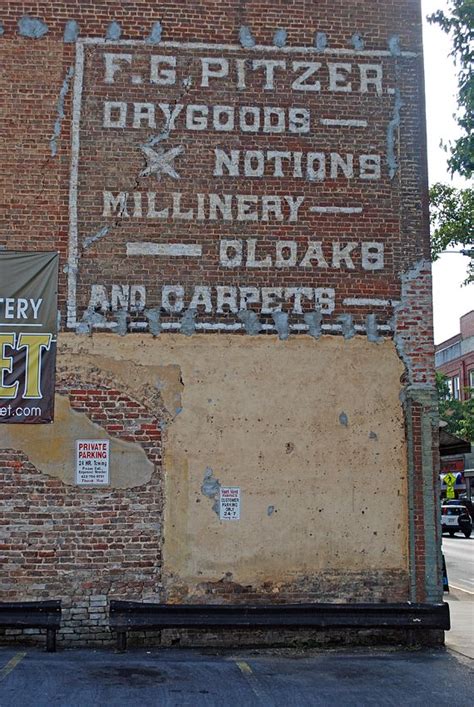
471 382
455 388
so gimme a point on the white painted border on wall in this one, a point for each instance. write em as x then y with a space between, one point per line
73 254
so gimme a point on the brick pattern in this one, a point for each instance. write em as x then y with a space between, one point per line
83 545
418 510
414 326
35 185
346 586
212 20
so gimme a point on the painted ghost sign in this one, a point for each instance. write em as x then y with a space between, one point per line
233 179
28 325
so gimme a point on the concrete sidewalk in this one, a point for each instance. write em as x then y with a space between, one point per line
461 636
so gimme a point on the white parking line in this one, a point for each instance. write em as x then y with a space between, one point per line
459 589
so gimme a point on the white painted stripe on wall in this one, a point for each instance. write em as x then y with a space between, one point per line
22 325
73 233
173 249
367 302
257 48
336 209
343 123
220 326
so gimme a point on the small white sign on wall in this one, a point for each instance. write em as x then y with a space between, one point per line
229 503
92 462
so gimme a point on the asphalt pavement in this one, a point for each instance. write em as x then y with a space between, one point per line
459 556
170 677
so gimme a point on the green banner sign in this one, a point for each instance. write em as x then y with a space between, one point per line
28 335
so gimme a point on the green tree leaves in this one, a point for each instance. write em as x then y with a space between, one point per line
459 414
459 25
452 222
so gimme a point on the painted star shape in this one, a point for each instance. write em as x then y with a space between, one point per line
160 161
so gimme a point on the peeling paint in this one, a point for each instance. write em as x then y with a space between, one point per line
251 321
32 27
392 130
320 41
156 33
280 37
343 419
408 279
246 38
314 322
96 237
60 111
51 448
210 488
394 45
371 327
280 320
357 41
154 320
348 329
90 318
121 323
188 322
71 32
114 31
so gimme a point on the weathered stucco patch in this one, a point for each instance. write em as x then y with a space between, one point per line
52 448
340 494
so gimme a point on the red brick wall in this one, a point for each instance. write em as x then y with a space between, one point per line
61 541
460 367
83 545
35 184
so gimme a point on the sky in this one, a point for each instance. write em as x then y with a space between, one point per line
450 299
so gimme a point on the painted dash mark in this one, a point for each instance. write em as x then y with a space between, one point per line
368 302
336 209
170 249
11 665
344 123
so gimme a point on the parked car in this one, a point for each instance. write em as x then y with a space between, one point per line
461 502
455 518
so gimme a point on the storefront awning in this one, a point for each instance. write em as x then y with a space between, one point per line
450 444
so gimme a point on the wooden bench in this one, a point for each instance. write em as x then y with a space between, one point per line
33 614
137 616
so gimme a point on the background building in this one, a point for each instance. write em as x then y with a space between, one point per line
238 194
454 358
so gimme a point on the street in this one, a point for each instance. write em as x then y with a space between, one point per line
459 555
170 677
